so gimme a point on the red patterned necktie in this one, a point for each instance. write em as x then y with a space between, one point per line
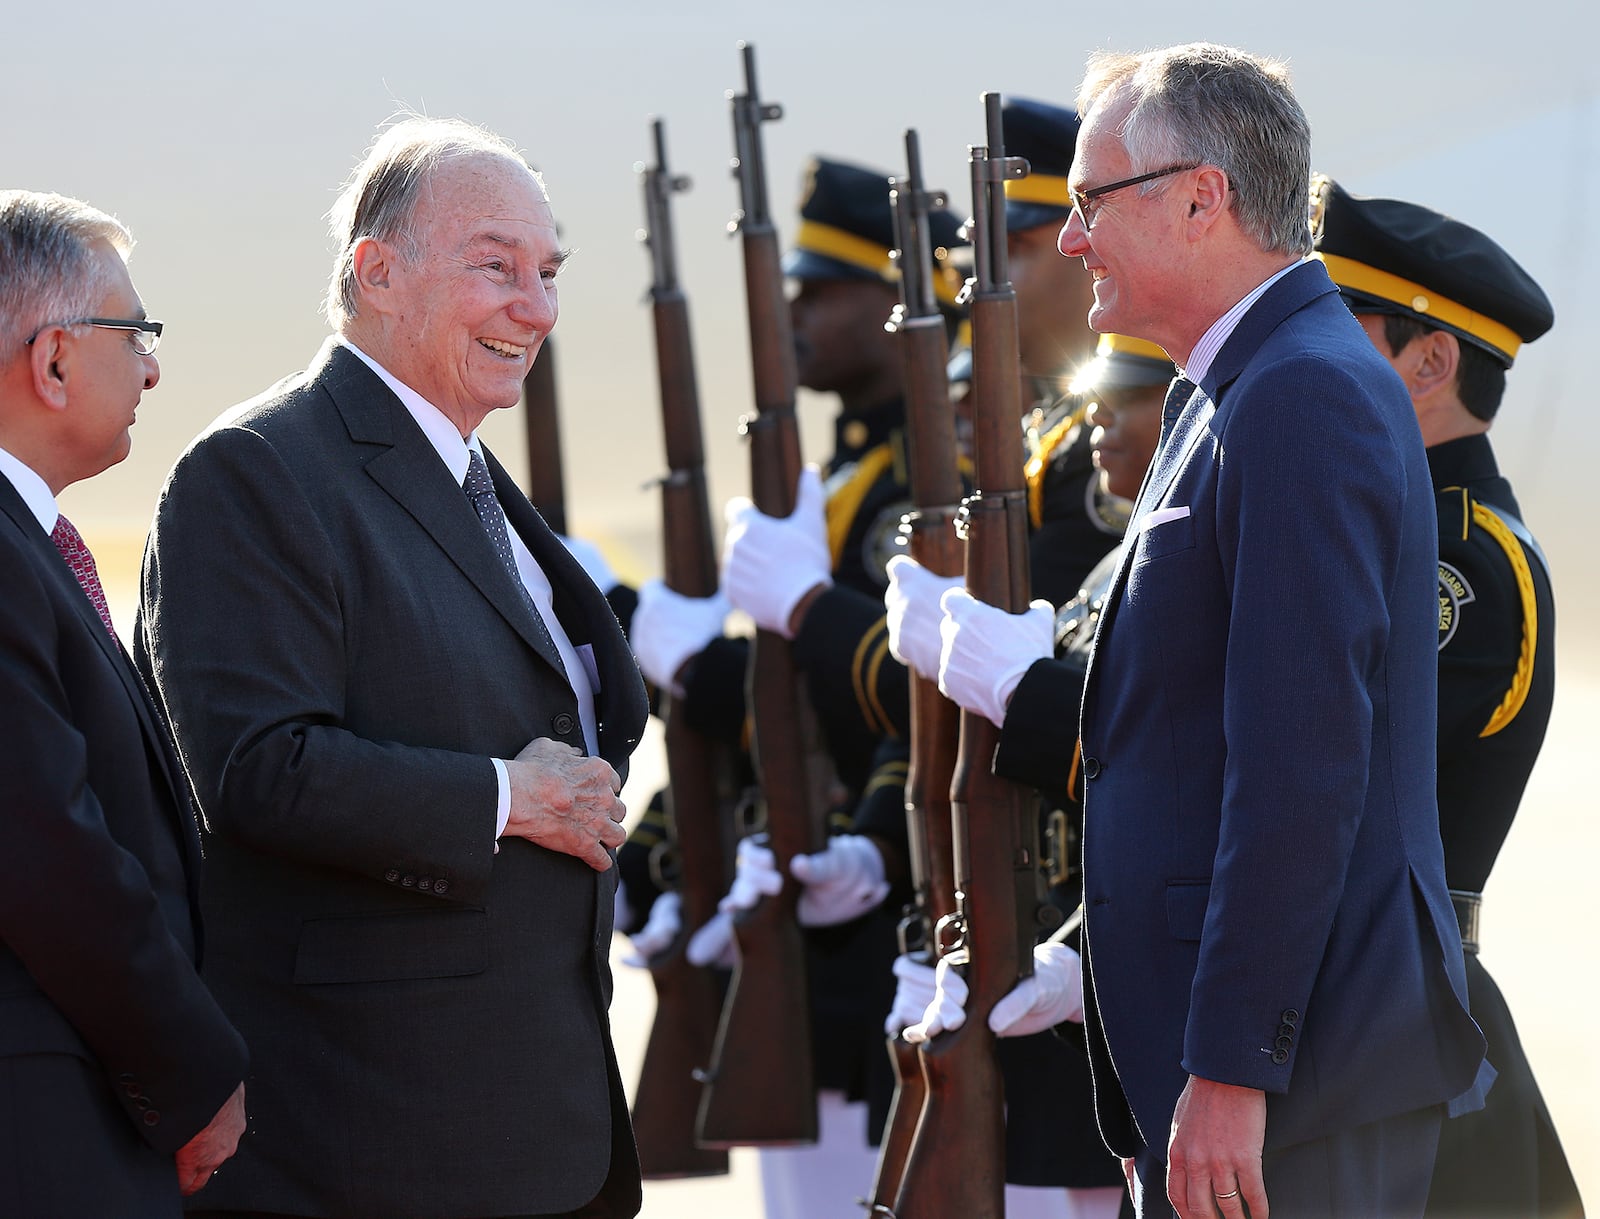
70 543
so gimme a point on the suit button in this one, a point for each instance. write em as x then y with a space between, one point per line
1091 768
1285 1030
425 884
132 1090
1290 1016
408 881
392 876
1280 1056
152 1116
440 886
139 1102
562 724
1283 1043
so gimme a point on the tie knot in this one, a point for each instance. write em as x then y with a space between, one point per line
477 481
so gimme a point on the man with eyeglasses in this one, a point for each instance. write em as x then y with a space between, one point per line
119 1075
1276 1002
407 712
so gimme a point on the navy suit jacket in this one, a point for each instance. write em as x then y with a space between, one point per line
341 653
107 1035
1265 898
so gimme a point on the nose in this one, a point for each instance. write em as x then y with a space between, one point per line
1073 240
152 371
537 307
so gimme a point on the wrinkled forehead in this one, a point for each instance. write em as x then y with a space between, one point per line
469 195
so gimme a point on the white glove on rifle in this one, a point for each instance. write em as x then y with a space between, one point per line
755 876
841 883
668 628
769 563
946 1010
1053 994
912 993
593 562
986 651
912 614
658 932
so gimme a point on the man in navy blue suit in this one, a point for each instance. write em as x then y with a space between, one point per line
1276 999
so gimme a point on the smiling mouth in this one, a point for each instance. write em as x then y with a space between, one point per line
508 351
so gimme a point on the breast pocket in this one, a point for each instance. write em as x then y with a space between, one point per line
1162 532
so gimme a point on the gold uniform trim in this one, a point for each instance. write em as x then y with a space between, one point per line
1359 277
1039 461
1522 679
865 666
844 503
1049 189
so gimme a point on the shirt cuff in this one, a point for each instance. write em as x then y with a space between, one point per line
502 812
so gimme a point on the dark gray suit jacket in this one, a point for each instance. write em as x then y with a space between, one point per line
341 654
108 1039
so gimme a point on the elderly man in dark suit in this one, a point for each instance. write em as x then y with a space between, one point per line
407 713
119 1075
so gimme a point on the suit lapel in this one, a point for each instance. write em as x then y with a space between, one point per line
410 471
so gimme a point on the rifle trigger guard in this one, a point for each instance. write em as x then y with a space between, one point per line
950 933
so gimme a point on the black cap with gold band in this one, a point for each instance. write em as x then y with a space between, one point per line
847 230
1388 256
1123 362
1047 136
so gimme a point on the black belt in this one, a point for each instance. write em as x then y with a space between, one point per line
1467 907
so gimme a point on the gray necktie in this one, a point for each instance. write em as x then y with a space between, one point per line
480 490
1178 395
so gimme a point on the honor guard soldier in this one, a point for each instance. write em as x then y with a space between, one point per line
817 577
1450 309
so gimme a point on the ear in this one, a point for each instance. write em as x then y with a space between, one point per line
1208 198
1435 360
51 365
374 265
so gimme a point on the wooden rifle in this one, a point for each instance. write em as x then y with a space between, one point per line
701 788
957 1165
547 488
935 495
761 1087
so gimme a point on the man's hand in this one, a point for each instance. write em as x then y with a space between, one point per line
915 988
986 651
203 1155
658 933
842 882
1214 1154
912 614
946 1011
669 629
566 802
1052 994
770 563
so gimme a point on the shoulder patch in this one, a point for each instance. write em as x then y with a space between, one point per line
1454 592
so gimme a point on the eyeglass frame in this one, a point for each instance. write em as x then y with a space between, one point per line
138 325
1082 197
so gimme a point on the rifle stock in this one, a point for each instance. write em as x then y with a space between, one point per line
935 494
999 899
547 488
700 786
761 1088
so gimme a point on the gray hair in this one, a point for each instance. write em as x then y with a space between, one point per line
1215 105
380 199
48 272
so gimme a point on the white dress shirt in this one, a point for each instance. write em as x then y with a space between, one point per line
1222 329
41 502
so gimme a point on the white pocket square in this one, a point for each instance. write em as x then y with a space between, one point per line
1160 516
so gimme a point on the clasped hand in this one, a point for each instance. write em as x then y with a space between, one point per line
566 801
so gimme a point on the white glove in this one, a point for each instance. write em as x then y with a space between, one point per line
658 932
713 944
986 651
842 882
912 994
946 1011
769 563
755 876
668 628
593 562
912 614
1053 994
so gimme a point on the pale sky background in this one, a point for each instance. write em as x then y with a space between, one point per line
220 134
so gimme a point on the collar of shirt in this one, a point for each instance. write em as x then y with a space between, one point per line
1212 340
441 433
32 488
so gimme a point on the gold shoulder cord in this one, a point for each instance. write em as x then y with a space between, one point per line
844 503
1522 679
1039 461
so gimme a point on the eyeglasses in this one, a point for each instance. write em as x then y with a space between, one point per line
1082 200
146 335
